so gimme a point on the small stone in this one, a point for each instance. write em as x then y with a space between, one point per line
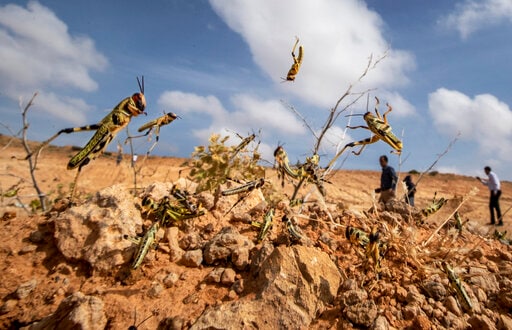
381 323
27 249
401 294
435 290
192 241
214 275
238 286
504 322
8 306
240 258
25 289
481 322
228 276
410 312
451 304
155 290
64 269
353 297
192 258
421 322
175 251
60 292
414 297
232 295
171 279
363 313
36 237
476 253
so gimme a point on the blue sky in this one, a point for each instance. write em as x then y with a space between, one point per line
218 64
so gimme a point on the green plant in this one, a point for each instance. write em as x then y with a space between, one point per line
215 164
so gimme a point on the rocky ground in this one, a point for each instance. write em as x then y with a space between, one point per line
70 267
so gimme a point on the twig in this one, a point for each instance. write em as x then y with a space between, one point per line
452 142
31 163
13 135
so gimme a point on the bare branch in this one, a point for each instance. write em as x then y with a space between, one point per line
298 114
32 163
450 145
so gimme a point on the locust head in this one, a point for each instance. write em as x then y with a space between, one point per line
140 103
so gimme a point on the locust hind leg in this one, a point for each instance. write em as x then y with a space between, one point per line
363 144
85 162
65 130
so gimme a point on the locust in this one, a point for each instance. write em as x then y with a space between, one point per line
264 226
106 130
357 236
297 61
381 130
166 214
306 171
293 232
181 197
373 250
155 124
434 206
145 243
244 188
458 286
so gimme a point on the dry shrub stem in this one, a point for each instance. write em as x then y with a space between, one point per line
32 162
450 145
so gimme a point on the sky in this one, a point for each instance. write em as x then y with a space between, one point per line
219 64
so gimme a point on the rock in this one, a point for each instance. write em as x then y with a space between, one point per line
206 200
411 311
421 322
481 322
95 231
191 241
505 298
414 297
155 290
36 237
401 294
77 311
171 279
238 286
260 256
8 306
363 314
27 249
158 190
228 276
304 273
192 258
240 257
484 280
353 297
215 275
327 238
231 295
504 322
221 247
25 289
175 252
381 323
476 253
435 290
449 320
451 304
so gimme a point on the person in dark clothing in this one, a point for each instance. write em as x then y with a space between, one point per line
494 185
388 181
411 190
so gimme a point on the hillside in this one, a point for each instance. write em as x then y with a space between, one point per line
76 259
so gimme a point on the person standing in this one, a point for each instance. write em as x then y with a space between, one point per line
411 190
388 181
494 185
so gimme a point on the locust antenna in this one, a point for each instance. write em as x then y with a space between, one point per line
141 86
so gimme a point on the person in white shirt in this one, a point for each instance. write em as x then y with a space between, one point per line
493 183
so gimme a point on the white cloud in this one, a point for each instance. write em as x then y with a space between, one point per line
38 53
471 15
338 37
484 120
252 114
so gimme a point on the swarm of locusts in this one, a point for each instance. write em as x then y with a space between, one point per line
231 170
